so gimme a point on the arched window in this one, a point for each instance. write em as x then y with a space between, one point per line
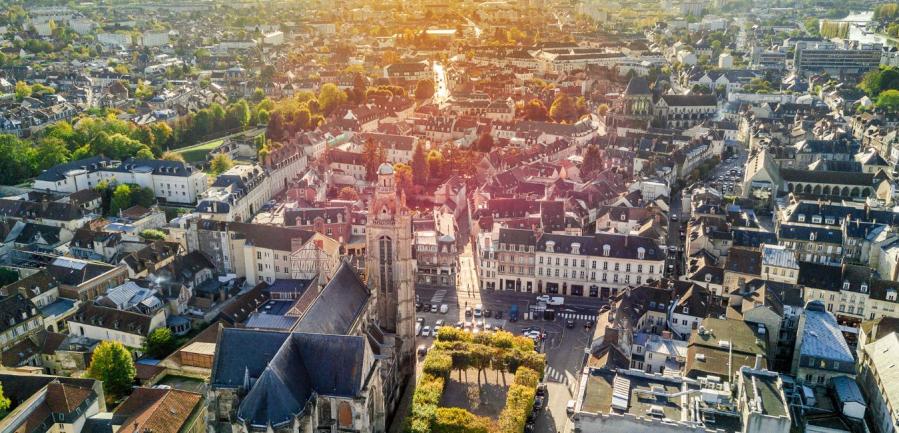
385 263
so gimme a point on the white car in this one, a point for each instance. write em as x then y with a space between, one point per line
478 310
543 298
426 331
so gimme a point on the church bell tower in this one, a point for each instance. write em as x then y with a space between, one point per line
388 262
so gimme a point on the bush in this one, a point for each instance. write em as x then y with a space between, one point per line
438 364
526 377
449 333
428 391
456 420
519 403
153 234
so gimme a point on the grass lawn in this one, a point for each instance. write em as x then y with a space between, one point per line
488 402
198 152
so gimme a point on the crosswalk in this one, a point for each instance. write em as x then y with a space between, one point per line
577 316
438 296
553 375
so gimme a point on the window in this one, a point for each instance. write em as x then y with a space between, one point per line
385 245
260 267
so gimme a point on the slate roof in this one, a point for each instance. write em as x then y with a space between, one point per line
111 318
690 100
306 364
744 261
57 172
620 246
338 305
827 177
233 362
804 233
821 335
637 86
159 167
74 272
11 310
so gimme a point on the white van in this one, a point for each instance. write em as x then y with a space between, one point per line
443 308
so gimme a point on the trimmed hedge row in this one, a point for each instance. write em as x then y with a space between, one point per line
459 349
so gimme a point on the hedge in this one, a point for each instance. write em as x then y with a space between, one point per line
456 420
459 349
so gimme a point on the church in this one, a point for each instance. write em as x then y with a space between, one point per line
343 364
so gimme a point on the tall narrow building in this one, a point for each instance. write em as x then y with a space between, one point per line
388 263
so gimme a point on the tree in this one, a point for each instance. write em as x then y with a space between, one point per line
888 100
592 162
153 234
220 164
436 164
403 175
602 110
142 196
160 343
485 142
424 89
239 115
348 193
23 90
564 109
171 156
420 172
16 159
51 151
121 199
112 364
4 403
534 110
373 155
330 97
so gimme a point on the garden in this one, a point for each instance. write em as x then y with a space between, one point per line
446 400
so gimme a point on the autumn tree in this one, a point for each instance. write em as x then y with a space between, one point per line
171 156
436 164
160 343
602 110
348 193
330 97
220 163
534 110
4 403
403 176
564 109
484 142
112 363
424 89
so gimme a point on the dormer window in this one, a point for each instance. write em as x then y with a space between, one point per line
816 219
708 278
606 249
623 217
864 288
800 218
575 248
641 253
845 285
550 245
830 221
891 294
811 236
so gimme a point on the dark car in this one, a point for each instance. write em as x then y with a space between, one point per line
499 314
488 313
589 324
418 306
569 323
530 428
541 390
539 403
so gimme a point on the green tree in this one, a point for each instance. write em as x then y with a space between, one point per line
888 100
17 159
160 343
220 164
424 89
4 403
419 166
239 115
23 90
564 109
112 364
51 151
142 196
153 234
330 97
121 199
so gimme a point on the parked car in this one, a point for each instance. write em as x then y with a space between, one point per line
569 323
444 308
488 313
426 331
420 320
539 403
499 314
418 306
478 310
543 298
467 311
569 408
434 308
422 350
